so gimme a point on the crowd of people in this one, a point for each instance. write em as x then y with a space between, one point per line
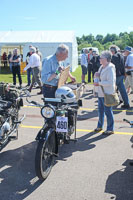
123 61
47 78
111 71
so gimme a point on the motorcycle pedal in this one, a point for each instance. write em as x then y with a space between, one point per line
17 122
13 138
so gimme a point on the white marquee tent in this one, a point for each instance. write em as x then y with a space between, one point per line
46 41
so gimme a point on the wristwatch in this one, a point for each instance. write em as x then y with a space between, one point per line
57 72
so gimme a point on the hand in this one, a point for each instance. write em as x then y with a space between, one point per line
60 69
96 84
73 79
97 74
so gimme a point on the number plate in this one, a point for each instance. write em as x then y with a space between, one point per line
61 124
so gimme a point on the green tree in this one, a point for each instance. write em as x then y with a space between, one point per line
120 44
131 38
107 45
88 38
98 45
83 45
122 34
110 38
79 41
126 40
99 38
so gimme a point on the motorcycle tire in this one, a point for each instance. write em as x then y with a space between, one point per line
44 158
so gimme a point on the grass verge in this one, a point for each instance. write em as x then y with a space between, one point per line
6 75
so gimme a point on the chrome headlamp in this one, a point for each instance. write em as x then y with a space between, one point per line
48 111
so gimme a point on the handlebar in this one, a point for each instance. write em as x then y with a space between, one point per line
130 122
34 102
59 103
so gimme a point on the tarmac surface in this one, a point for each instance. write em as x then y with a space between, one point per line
96 167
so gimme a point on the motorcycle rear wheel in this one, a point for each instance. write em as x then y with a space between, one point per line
44 158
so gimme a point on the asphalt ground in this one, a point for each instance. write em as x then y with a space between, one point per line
96 167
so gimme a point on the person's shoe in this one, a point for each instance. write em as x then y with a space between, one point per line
108 133
125 106
120 102
27 85
39 92
97 130
37 86
29 89
84 82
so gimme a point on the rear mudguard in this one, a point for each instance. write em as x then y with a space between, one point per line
45 132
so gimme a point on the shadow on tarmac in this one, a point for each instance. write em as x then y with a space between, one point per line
88 94
83 144
87 115
120 183
17 174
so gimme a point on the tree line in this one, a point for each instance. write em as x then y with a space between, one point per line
103 43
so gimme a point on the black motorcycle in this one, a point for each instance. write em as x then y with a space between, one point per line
131 162
131 124
9 120
59 124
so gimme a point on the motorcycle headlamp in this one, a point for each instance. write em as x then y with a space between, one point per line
48 111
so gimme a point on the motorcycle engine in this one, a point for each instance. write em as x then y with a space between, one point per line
4 126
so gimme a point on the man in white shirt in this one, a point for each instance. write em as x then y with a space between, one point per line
34 63
129 67
84 64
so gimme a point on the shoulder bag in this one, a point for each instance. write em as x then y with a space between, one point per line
110 99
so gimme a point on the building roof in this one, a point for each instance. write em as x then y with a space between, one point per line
36 36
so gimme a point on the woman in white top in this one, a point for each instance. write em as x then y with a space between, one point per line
107 79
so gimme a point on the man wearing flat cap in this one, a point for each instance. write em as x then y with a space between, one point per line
129 67
34 63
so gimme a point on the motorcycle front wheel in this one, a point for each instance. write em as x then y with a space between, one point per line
44 158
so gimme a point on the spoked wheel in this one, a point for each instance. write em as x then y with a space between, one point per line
44 158
15 118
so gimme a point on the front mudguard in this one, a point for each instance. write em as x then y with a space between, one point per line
44 133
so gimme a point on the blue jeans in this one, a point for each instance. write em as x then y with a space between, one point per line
104 110
29 72
121 88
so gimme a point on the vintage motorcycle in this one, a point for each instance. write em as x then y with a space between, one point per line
60 116
10 104
131 140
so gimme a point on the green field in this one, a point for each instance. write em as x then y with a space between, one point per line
6 75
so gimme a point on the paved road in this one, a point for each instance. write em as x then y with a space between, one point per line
95 168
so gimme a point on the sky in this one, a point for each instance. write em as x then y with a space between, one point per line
82 16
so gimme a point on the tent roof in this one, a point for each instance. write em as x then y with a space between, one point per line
36 36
